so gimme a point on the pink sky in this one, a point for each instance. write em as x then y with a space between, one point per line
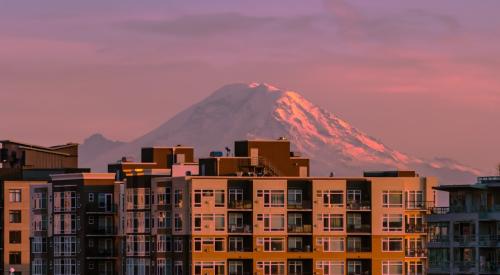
422 76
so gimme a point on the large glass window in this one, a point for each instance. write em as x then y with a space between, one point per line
392 199
392 222
14 195
331 267
392 268
392 244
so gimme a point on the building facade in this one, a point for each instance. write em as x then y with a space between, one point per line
277 225
464 238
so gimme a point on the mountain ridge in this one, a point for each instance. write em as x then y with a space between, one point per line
259 110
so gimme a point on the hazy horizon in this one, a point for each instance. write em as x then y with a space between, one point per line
419 76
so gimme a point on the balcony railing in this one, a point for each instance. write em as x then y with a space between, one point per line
465 266
439 267
439 240
464 239
102 231
305 228
299 205
244 204
359 249
489 240
240 229
419 205
416 253
440 210
490 267
356 228
358 205
415 228
95 208
306 248
101 253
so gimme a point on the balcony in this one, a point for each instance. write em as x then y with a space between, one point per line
359 228
415 228
416 253
243 204
439 241
358 205
299 205
305 228
96 209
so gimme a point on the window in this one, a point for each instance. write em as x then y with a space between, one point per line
138 245
295 244
392 199
138 222
219 222
39 200
353 196
163 243
163 266
65 267
39 245
392 268
219 198
66 223
91 197
271 267
15 216
178 268
272 198
138 198
332 222
216 268
38 266
163 196
414 199
164 220
235 267
294 197
331 244
197 198
272 244
295 267
332 198
392 244
65 201
178 245
91 219
236 244
235 221
137 266
14 195
39 222
178 222
392 222
14 236
197 222
178 198
218 244
354 268
331 267
415 268
235 196
65 245
272 222
15 257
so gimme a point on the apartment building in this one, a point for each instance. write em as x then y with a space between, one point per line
22 166
80 236
464 238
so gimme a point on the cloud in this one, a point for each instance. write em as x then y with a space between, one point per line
203 25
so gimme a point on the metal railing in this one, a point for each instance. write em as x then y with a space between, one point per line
356 228
240 229
359 249
243 204
415 228
305 204
305 228
416 253
358 205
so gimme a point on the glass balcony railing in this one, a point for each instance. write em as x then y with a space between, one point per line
243 204
415 228
416 253
305 228
358 205
299 204
359 228
359 249
240 228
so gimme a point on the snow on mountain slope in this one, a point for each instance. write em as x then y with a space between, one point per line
247 111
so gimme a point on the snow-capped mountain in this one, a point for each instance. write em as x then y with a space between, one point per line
247 111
